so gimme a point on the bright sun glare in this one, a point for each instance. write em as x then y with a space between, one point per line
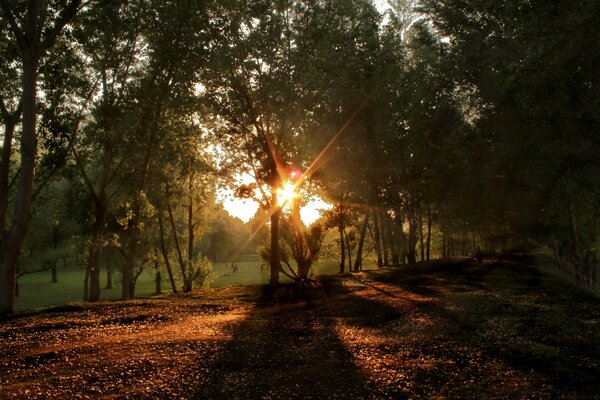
286 194
245 209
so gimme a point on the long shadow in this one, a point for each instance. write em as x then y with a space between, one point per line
569 368
287 348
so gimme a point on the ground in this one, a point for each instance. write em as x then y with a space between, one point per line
447 329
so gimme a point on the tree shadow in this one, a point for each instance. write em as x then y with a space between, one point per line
286 348
514 316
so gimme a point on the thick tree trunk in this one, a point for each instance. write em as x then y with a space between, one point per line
95 251
275 258
361 242
11 242
10 122
33 43
129 265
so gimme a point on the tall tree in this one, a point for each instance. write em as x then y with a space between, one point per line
35 28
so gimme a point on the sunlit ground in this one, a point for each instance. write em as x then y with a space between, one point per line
445 330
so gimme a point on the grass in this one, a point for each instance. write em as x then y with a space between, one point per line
36 291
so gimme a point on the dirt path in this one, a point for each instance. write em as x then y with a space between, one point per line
445 330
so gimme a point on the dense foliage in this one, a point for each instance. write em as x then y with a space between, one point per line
435 129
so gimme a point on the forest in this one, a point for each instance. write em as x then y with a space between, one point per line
430 129
382 143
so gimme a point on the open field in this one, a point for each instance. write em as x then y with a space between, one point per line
37 291
448 329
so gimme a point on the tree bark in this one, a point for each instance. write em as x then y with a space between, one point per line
342 244
421 236
10 122
158 280
275 258
377 238
33 43
361 242
385 238
412 238
428 242
190 223
10 246
182 263
109 284
163 250
96 249
349 252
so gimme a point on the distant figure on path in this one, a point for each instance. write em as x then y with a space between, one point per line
479 255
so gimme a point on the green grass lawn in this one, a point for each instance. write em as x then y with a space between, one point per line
36 290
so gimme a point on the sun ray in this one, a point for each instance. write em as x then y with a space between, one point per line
303 176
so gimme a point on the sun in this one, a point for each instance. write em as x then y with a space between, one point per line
286 194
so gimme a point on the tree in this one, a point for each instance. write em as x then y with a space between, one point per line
35 32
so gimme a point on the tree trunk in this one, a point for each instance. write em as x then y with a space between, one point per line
377 238
428 242
349 252
275 258
10 123
11 242
361 242
190 223
109 284
412 239
53 272
395 243
182 263
421 236
163 250
158 280
575 237
385 238
96 248
33 43
342 245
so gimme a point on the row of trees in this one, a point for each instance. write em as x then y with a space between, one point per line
450 126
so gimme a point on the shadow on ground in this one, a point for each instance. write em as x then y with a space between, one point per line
447 329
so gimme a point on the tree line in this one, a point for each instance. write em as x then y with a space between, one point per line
434 129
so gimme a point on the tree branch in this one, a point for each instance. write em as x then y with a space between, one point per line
12 22
66 15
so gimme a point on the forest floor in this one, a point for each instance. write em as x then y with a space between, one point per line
446 329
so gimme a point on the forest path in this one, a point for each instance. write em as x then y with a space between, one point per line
447 329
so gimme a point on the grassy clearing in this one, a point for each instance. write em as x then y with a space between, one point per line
37 291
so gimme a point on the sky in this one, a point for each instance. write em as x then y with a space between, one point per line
245 209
